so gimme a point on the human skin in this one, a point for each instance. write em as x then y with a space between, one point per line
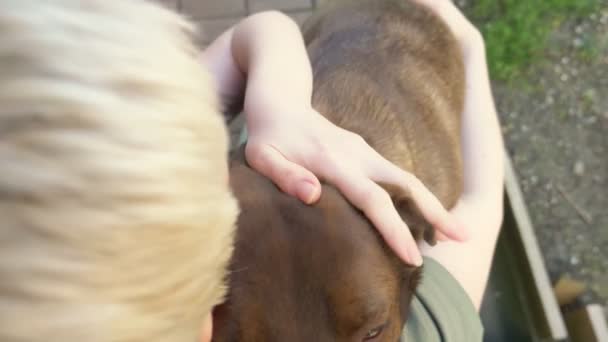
294 146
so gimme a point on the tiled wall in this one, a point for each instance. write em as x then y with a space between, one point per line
215 16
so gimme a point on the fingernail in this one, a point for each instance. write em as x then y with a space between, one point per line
415 257
306 192
461 229
441 237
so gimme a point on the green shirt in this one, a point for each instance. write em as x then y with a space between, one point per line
441 311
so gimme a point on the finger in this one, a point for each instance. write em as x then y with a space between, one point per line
290 177
425 201
377 205
441 237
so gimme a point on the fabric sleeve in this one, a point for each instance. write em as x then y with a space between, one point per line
441 311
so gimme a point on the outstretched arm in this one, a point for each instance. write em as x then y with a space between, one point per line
480 207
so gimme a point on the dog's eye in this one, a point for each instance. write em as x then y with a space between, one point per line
372 334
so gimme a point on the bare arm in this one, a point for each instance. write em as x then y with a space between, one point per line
261 54
480 207
228 78
292 144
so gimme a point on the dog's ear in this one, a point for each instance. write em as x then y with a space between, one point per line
411 278
220 320
224 329
420 228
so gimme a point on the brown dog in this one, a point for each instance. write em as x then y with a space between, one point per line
391 72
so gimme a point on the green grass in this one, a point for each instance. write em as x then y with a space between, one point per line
516 31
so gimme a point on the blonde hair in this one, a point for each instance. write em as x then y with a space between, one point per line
116 220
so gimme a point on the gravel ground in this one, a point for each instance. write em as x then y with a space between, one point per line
555 123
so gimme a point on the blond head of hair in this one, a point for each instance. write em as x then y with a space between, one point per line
116 216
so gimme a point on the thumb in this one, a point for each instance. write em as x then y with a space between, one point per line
290 177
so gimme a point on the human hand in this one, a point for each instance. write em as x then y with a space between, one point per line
293 146
290 143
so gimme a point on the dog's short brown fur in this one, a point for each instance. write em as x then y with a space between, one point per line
391 72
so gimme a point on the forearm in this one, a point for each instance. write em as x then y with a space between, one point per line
481 205
266 54
481 136
228 79
269 49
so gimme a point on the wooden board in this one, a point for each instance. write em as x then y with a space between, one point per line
519 304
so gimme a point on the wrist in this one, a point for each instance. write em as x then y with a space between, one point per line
266 111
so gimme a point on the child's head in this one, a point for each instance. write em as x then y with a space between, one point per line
116 216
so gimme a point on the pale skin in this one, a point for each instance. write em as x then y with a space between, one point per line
294 146
480 207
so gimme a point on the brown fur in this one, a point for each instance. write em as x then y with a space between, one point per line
391 72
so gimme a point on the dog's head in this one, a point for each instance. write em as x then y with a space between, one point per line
309 273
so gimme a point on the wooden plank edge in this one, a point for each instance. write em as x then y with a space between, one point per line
555 321
587 324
